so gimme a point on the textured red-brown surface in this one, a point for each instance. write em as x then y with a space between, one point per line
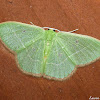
64 15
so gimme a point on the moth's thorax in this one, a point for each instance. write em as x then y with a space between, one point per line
49 35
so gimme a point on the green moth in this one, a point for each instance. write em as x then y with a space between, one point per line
54 55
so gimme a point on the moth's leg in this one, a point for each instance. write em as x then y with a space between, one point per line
31 23
73 30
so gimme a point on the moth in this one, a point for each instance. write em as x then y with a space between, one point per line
53 55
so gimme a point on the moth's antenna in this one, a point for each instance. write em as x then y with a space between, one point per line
73 30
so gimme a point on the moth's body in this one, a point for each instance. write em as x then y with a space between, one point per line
47 53
49 35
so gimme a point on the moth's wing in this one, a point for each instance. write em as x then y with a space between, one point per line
18 35
81 49
27 41
69 50
31 58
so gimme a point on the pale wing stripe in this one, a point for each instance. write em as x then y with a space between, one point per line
65 52
79 47
29 57
78 51
82 50
68 56
20 40
28 52
72 55
33 59
89 48
59 63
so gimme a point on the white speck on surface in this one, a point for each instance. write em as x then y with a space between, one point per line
30 6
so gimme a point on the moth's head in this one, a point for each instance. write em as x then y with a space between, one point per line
51 29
